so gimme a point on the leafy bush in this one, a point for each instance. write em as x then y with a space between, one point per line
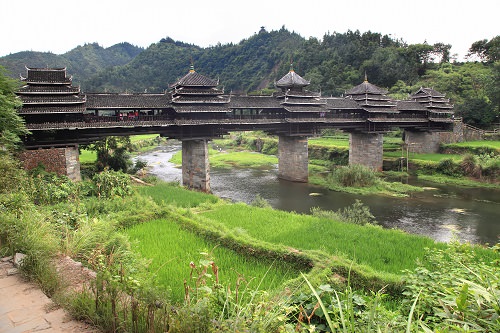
111 183
138 165
354 176
448 167
259 201
357 213
456 290
49 188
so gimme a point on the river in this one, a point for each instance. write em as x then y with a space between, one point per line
442 212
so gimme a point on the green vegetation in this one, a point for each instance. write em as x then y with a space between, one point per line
355 276
224 267
252 65
157 238
387 251
82 61
88 156
164 193
11 124
434 157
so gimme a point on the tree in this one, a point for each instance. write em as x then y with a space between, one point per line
488 51
478 111
11 124
112 153
442 50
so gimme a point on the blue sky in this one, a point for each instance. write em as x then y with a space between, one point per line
60 25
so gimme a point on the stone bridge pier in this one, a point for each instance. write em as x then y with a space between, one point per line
195 164
366 149
293 158
422 142
63 161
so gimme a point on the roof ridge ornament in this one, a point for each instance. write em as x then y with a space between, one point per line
366 78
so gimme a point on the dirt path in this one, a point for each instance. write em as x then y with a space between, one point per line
25 308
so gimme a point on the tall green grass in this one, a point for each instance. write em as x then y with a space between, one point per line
175 195
476 144
329 142
172 249
384 250
242 159
137 138
87 156
435 157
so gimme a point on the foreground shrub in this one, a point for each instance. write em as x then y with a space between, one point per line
448 167
456 289
357 213
354 176
111 183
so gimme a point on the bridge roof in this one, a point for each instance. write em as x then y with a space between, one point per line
425 92
194 79
209 99
52 99
366 88
410 106
46 109
292 80
254 102
47 89
46 75
340 103
128 101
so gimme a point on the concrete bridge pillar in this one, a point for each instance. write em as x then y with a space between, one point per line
195 165
366 149
422 142
293 159
63 161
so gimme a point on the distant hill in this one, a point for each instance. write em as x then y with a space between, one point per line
81 62
252 64
333 64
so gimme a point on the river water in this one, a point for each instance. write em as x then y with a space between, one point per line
441 212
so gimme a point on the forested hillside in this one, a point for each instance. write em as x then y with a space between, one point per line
333 64
82 62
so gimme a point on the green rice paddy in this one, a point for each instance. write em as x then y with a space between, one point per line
172 249
383 250
171 194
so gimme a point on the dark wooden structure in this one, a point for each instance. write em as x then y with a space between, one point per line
59 114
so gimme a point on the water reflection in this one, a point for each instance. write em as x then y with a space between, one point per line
441 212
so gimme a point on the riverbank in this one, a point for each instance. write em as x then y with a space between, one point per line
92 229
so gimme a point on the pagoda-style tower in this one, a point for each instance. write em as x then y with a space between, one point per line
48 95
199 97
295 99
440 114
372 99
293 150
435 102
366 148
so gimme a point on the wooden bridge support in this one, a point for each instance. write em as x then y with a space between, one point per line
366 149
63 161
293 158
195 165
